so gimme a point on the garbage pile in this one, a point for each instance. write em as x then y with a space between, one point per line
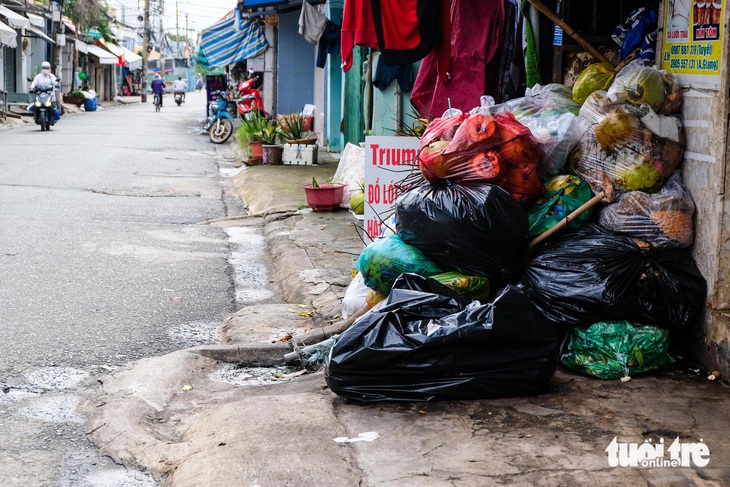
475 297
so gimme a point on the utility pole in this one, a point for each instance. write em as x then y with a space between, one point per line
177 28
145 50
162 39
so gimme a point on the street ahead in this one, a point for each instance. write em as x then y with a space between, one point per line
102 262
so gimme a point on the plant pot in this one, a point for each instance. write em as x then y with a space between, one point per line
257 148
74 100
326 197
272 153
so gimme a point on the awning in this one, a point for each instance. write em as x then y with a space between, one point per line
81 46
69 24
36 20
131 58
14 19
8 36
105 57
233 39
40 33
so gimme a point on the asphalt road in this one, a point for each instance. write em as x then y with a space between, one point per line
102 262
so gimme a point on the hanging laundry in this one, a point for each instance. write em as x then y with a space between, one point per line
512 64
407 30
476 42
311 23
385 74
638 31
329 43
358 28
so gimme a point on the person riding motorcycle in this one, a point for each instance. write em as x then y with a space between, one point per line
158 87
42 81
180 86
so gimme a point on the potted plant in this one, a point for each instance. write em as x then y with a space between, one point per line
269 135
327 196
248 134
74 97
293 131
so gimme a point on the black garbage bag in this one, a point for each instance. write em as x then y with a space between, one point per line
478 230
427 343
593 275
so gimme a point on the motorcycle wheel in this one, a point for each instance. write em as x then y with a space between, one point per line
42 121
220 131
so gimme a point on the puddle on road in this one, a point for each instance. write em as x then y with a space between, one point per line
254 376
250 275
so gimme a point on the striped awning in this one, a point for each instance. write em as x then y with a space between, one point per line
233 39
8 36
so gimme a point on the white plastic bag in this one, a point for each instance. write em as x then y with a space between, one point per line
355 296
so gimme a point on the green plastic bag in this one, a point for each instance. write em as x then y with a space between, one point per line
384 260
473 287
564 193
611 350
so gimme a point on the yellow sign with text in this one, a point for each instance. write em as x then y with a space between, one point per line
693 31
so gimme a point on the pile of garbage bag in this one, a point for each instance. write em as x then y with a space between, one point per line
614 281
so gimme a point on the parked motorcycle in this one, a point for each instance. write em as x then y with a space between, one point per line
44 106
220 120
250 101
179 98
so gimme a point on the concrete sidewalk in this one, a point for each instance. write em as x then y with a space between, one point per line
172 415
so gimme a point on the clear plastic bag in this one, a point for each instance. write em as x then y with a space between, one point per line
618 146
556 136
663 219
596 77
639 86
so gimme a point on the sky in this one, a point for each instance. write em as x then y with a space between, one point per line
200 13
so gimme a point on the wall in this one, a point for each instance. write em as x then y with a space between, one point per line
705 170
295 66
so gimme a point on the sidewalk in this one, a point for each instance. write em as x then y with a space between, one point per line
167 414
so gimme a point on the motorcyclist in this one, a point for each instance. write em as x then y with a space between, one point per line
180 86
158 87
42 81
45 79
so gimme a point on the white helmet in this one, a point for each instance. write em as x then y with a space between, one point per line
45 65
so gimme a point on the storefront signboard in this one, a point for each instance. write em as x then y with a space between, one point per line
692 44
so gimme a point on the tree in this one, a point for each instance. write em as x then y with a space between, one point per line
89 15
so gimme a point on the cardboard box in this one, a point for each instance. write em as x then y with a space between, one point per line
300 154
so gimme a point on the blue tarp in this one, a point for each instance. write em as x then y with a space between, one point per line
233 39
